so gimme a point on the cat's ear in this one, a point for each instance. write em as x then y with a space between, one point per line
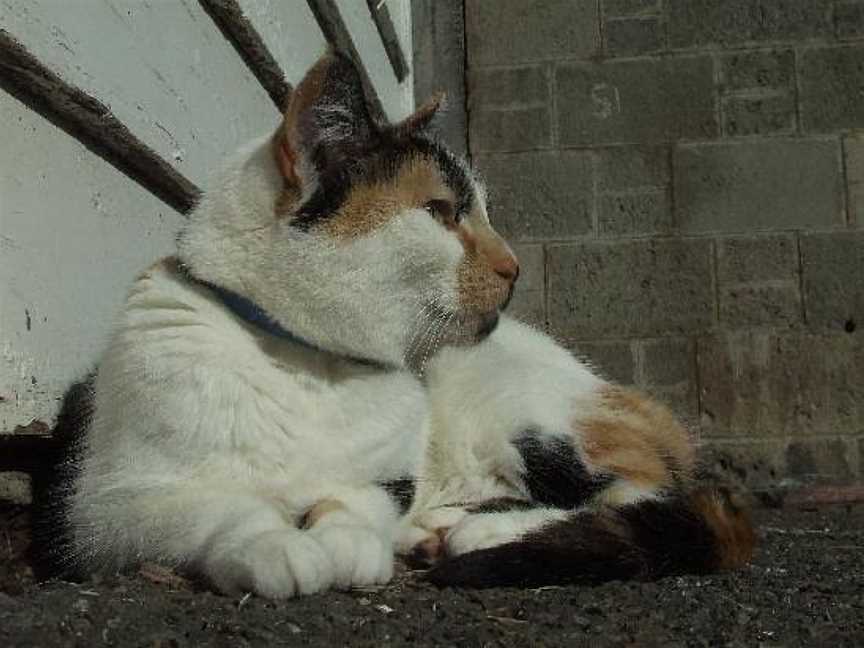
421 118
327 120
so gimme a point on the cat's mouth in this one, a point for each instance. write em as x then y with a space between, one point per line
488 323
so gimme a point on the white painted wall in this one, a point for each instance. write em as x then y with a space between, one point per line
292 36
397 99
74 231
162 67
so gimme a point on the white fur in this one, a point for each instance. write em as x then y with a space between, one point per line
331 293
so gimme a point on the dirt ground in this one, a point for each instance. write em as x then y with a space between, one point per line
805 588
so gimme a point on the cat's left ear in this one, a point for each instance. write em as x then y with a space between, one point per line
327 122
421 119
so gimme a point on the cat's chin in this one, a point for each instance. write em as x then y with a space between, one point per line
463 330
487 324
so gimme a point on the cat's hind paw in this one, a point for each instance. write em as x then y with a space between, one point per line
359 555
274 564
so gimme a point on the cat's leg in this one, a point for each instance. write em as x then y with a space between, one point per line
246 542
356 527
483 530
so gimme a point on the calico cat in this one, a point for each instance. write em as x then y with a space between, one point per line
331 327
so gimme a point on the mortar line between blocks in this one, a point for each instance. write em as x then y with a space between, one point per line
800 261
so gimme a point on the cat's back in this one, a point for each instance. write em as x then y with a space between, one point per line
518 376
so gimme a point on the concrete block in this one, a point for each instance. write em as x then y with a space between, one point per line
635 213
762 116
496 88
831 79
756 465
631 7
757 70
853 149
668 362
532 268
623 168
757 258
761 305
766 464
698 23
635 288
510 130
822 460
833 278
849 19
631 36
636 101
613 360
539 195
518 31
761 384
528 306
529 299
758 185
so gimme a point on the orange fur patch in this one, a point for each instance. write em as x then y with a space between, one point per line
637 439
170 264
369 206
730 523
319 510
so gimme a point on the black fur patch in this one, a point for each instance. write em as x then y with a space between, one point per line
378 160
402 491
51 549
500 505
554 472
644 541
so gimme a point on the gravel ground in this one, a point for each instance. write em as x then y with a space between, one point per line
805 588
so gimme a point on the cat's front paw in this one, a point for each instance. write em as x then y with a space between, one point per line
275 564
359 555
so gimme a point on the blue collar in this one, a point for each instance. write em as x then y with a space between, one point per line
253 314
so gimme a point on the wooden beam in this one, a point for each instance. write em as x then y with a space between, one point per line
336 32
246 40
389 38
90 122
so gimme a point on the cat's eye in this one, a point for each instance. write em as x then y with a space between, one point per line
443 210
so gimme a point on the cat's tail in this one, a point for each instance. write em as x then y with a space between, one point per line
701 532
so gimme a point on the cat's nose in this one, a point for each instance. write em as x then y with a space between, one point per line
504 263
507 268
497 253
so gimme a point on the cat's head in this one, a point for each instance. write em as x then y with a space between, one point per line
364 238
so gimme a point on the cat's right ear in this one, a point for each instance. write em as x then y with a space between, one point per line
327 121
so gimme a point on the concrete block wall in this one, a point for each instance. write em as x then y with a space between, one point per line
684 183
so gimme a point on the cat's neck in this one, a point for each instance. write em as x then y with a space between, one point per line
254 315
